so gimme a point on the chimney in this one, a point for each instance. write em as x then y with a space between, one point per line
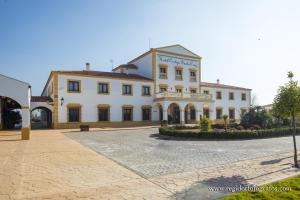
218 81
87 66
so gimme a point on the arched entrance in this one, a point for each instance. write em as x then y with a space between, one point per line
15 91
41 118
173 113
161 112
10 114
190 113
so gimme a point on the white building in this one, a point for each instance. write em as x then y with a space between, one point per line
15 95
161 84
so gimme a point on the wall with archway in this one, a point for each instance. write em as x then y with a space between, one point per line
20 92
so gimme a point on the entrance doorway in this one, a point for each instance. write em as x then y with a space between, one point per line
10 111
41 118
173 114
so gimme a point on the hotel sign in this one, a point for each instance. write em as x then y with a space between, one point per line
177 61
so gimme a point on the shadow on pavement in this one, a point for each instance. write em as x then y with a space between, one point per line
213 188
271 162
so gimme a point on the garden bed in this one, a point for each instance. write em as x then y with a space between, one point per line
230 134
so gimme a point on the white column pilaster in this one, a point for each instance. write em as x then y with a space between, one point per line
25 123
198 113
182 116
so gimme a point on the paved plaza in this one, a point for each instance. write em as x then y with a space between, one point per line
134 164
151 155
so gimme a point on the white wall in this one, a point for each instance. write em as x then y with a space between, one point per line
225 103
171 72
90 99
16 90
145 66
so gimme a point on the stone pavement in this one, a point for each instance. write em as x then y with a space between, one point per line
52 166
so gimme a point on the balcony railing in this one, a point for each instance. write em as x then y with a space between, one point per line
193 79
184 95
163 76
178 77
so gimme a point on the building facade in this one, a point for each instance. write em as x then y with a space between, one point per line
161 84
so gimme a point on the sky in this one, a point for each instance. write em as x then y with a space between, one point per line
251 44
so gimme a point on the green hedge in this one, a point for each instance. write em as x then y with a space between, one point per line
244 134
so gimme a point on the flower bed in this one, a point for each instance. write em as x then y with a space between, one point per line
233 134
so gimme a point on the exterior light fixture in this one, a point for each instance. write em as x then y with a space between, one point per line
62 100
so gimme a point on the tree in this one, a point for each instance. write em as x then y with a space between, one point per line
287 105
205 123
256 115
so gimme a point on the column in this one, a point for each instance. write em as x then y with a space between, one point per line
165 114
198 113
25 123
182 116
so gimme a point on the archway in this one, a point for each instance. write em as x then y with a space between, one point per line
10 114
173 113
190 113
41 118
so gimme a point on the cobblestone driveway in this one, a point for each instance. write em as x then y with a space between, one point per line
151 155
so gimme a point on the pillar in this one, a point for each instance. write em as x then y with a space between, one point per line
165 114
198 113
25 123
182 116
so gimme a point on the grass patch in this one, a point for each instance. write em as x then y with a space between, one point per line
292 183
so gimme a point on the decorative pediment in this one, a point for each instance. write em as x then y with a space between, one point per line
178 49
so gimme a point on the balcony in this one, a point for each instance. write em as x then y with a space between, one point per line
193 79
183 96
178 77
163 76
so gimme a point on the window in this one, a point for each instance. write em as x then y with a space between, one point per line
146 113
231 113
178 88
231 96
206 112
206 91
73 86
243 111
219 95
243 96
127 113
103 114
178 74
219 113
74 114
146 90
163 89
163 74
193 77
127 89
103 88
193 90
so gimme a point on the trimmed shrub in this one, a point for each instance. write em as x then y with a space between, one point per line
244 134
256 127
163 123
240 127
180 127
205 124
